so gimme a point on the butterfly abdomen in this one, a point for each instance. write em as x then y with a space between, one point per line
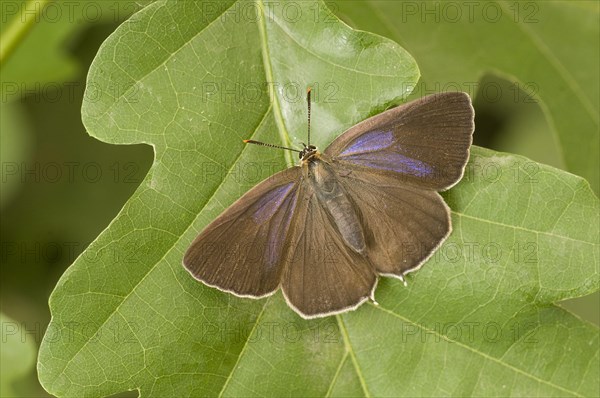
334 198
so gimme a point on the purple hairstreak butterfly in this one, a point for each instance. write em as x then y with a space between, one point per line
368 205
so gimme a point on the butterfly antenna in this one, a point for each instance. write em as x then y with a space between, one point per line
308 102
271 145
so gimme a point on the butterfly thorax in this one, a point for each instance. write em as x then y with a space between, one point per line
324 181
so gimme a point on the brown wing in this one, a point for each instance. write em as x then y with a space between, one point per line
241 251
323 276
425 143
403 225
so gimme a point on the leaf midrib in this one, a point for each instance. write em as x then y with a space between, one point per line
268 67
350 350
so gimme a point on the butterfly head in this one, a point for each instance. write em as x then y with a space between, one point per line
307 152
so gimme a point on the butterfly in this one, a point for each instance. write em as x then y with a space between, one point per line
368 205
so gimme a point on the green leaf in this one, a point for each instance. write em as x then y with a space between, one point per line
519 41
17 355
193 79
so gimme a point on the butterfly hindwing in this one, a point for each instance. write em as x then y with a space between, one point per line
403 225
323 275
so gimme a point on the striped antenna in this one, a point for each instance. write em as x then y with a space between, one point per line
270 145
308 102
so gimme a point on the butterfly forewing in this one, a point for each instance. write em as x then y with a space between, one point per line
242 250
425 143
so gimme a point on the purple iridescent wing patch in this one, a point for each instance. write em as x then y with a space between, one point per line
379 150
369 142
267 205
276 208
